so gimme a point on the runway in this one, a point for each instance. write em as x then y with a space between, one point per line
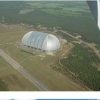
23 71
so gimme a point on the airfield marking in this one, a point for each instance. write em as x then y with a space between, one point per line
22 71
8 43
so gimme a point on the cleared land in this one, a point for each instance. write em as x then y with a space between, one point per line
22 71
39 67
10 79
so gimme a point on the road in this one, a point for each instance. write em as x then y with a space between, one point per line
23 71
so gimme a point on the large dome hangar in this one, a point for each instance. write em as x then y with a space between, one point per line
41 41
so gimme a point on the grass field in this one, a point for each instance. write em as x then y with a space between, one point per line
37 66
10 79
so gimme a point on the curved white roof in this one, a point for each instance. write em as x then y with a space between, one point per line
40 40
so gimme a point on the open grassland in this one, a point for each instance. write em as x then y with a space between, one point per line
10 79
39 67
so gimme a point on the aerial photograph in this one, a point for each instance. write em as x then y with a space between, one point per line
48 46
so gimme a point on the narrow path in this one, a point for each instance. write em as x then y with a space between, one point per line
22 71
96 51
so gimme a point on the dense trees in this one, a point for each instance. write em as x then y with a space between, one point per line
83 63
